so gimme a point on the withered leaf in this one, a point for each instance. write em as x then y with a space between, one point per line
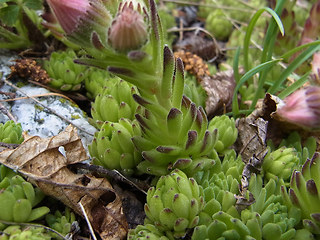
219 89
42 161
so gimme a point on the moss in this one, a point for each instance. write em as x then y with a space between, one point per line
75 116
38 107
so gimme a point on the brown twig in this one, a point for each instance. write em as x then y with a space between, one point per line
36 96
5 111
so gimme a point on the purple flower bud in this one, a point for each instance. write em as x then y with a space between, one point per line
69 12
81 18
128 30
302 108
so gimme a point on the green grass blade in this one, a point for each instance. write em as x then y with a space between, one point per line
271 34
236 66
293 66
250 28
294 86
299 48
244 78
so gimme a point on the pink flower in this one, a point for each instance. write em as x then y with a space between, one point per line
69 12
302 108
128 30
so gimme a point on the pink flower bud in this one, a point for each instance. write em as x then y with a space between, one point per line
80 19
69 12
302 108
316 66
128 30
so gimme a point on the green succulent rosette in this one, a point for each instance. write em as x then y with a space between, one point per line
61 222
305 149
220 186
96 80
275 219
146 232
16 232
112 147
280 163
64 73
194 91
114 102
218 24
227 132
11 132
18 199
174 130
303 193
223 226
174 203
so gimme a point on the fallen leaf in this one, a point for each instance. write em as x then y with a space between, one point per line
219 89
45 162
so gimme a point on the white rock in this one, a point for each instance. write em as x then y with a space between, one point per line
38 120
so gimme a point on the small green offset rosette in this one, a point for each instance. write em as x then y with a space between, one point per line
61 222
112 147
96 80
10 132
227 132
114 102
145 232
18 199
174 204
304 193
64 73
280 163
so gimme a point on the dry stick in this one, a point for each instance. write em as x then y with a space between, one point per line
5 111
88 222
51 110
116 175
36 96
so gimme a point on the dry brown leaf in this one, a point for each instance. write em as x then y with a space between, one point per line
219 89
43 163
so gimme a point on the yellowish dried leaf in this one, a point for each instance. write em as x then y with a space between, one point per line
45 162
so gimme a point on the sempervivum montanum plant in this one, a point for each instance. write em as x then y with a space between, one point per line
227 132
64 73
61 222
117 96
280 163
304 193
112 146
174 129
174 203
10 132
18 199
